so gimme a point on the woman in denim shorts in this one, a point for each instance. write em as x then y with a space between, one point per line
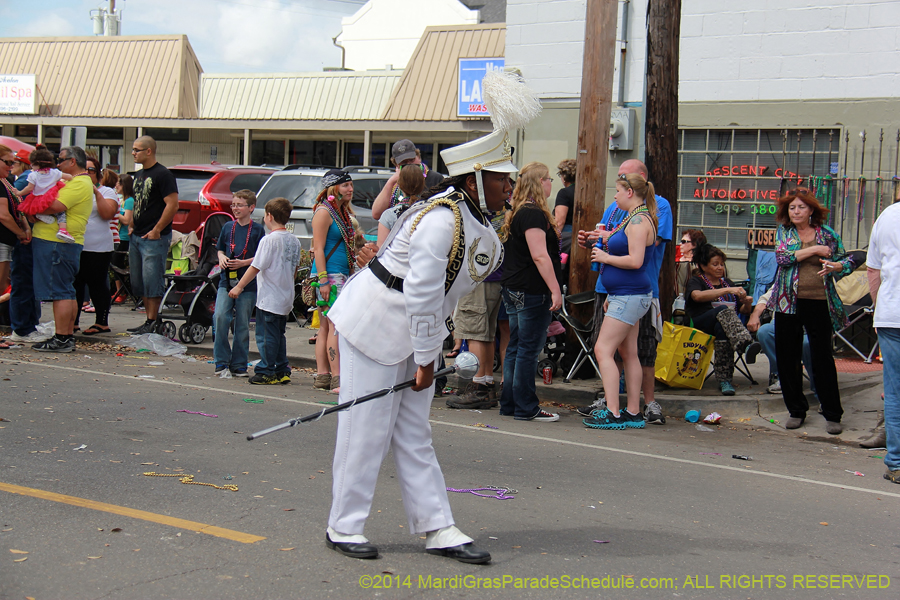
623 260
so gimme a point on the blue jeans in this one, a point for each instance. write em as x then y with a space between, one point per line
889 340
271 344
24 309
147 263
766 338
233 356
529 317
54 268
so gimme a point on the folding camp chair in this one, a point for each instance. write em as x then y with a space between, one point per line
582 331
122 273
853 289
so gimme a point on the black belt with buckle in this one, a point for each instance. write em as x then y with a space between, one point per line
385 276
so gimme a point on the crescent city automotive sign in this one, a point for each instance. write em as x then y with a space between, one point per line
469 99
18 94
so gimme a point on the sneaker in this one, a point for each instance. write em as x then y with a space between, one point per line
220 368
148 326
283 378
774 385
893 476
55 344
32 338
653 414
604 419
240 374
323 381
752 352
587 411
64 236
726 388
477 395
542 415
632 421
260 379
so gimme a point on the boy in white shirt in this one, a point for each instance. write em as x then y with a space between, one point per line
276 263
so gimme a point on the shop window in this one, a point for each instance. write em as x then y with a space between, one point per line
730 179
264 152
167 134
312 153
440 166
353 154
106 133
378 155
30 131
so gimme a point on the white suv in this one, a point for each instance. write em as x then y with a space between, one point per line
300 185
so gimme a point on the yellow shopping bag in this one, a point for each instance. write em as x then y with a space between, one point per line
314 324
683 355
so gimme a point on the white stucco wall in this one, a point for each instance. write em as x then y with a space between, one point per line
731 50
386 32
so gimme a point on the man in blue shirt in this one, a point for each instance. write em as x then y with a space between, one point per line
650 330
236 248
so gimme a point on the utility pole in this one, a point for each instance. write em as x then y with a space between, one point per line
661 124
593 133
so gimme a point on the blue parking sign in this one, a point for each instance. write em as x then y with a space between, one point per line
469 97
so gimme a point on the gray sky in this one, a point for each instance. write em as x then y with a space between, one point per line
228 36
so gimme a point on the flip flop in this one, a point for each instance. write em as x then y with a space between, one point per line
95 329
4 346
452 354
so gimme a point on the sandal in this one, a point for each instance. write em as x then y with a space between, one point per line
95 329
452 354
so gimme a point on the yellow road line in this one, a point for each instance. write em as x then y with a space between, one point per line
221 532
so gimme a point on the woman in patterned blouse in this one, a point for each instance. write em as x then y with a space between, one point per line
810 258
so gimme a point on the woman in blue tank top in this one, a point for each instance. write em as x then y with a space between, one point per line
334 259
623 262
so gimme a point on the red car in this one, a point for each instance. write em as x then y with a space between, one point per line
205 189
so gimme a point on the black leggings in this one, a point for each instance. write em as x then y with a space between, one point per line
93 271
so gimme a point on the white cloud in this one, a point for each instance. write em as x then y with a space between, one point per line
49 24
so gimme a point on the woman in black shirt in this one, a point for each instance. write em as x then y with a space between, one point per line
530 290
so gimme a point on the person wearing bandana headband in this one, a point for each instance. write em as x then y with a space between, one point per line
391 319
334 259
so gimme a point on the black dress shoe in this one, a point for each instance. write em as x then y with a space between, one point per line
752 352
351 549
466 553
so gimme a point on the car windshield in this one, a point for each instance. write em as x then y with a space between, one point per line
300 190
190 182
366 190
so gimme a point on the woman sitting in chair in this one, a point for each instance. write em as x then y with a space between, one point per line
712 303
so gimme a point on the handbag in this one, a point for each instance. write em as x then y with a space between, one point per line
683 356
307 290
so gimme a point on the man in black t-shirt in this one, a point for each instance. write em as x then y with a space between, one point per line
155 205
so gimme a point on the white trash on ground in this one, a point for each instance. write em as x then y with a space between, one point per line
158 344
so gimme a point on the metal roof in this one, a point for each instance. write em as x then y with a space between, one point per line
329 96
427 91
124 76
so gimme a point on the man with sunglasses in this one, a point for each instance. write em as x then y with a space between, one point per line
56 262
650 330
155 205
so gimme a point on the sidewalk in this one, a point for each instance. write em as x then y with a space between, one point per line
860 385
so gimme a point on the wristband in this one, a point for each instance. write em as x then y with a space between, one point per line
322 274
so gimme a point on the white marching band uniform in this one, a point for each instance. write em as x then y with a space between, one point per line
384 335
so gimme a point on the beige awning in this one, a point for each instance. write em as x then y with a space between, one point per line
330 96
427 91
155 77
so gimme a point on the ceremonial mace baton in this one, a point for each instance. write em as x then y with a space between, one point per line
466 365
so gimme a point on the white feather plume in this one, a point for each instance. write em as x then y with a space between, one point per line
511 103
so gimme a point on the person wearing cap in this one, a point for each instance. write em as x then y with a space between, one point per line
391 319
21 169
403 153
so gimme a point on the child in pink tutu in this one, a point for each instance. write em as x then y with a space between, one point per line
42 190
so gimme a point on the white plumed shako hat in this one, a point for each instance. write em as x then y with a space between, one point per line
512 106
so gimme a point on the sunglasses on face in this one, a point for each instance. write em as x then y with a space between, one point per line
687 241
9 163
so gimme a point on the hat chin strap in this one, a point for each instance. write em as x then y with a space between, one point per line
480 183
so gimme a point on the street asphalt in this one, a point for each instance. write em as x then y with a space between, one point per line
664 512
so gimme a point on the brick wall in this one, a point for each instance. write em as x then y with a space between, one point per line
731 50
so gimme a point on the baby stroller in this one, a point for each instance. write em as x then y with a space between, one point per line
192 296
